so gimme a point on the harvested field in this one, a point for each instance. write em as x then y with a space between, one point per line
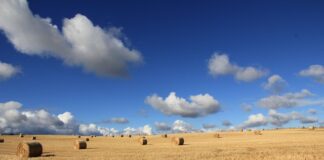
288 144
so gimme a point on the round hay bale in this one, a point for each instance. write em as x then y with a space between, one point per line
29 149
257 133
217 135
87 139
21 135
34 138
80 144
312 127
143 141
164 136
79 136
121 135
130 136
1 140
113 136
177 140
91 136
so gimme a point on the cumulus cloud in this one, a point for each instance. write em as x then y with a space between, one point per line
275 84
289 100
226 123
182 126
219 64
276 119
7 71
254 120
246 107
279 119
14 120
161 126
208 126
81 43
316 72
200 105
145 130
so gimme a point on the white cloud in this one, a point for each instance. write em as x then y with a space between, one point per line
279 119
314 71
88 129
182 126
275 84
200 105
276 119
254 120
146 130
14 120
7 70
66 117
288 100
81 43
219 64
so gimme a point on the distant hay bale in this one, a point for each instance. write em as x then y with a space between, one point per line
1 140
177 140
80 144
34 138
113 136
257 133
130 136
21 135
29 149
143 141
122 135
164 136
91 136
217 135
312 127
79 136
87 139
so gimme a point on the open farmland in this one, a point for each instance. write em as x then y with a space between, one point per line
287 144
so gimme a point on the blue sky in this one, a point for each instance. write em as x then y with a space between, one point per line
166 47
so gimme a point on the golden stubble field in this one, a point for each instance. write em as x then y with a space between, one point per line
287 144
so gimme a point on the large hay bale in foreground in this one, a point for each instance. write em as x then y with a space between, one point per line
257 133
34 138
143 141
177 140
164 136
1 140
80 144
217 135
29 149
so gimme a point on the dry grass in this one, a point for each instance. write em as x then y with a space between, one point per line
289 144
